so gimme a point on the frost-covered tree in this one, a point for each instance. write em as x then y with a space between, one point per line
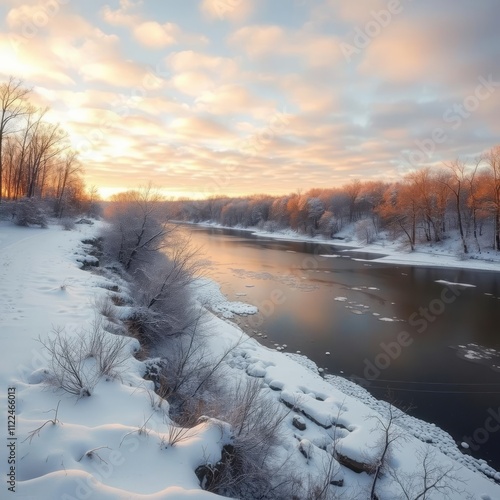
139 226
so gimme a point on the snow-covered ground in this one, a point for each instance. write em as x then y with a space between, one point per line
120 442
445 254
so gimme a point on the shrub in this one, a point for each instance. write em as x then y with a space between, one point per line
27 212
77 363
247 470
365 231
67 223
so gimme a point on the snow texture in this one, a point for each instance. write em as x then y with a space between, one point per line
115 443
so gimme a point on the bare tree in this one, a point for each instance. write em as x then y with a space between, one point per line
47 142
12 106
455 183
390 435
431 477
492 159
473 201
400 209
69 167
139 226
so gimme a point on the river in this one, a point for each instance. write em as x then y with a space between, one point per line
435 346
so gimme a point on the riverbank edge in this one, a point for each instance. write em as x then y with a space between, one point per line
416 427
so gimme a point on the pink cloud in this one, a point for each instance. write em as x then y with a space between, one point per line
236 11
189 60
123 16
155 35
267 41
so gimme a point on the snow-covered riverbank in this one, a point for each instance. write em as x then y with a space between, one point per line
119 442
445 254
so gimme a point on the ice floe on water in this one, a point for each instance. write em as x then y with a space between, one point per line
340 299
330 256
208 293
451 283
479 354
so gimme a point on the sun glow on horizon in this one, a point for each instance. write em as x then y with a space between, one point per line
106 193
195 100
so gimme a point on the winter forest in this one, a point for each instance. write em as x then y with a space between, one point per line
427 205
38 163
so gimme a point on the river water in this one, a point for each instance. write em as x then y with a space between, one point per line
435 346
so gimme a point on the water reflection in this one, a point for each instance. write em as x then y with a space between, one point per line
381 301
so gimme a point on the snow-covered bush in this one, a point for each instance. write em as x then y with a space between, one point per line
7 209
28 212
67 223
159 265
78 362
256 420
138 226
365 231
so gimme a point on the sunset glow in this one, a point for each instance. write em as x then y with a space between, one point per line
210 97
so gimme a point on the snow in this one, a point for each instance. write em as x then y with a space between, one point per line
115 443
42 287
208 293
451 283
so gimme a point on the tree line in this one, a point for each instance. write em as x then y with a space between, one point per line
427 205
36 158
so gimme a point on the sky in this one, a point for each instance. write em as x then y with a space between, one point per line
234 97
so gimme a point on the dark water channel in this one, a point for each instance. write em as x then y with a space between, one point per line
439 353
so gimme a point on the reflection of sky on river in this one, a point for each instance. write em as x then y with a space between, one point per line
310 320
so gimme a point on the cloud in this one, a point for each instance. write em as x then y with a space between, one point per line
123 16
310 95
402 55
200 128
237 11
155 35
272 41
358 13
188 60
65 47
232 99
33 62
114 72
149 33
192 83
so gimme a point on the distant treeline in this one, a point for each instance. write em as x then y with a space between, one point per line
425 206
